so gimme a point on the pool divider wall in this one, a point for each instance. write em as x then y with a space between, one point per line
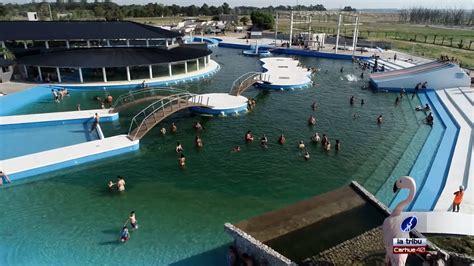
14 101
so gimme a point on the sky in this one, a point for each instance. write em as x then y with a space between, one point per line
361 4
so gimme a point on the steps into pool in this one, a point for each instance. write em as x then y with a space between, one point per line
459 173
421 168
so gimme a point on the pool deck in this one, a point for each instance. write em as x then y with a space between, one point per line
60 117
221 104
284 73
46 161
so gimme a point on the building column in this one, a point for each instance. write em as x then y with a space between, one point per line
108 43
205 62
3 45
208 59
25 45
58 73
67 44
169 69
128 43
26 71
88 43
128 74
46 44
197 64
166 43
150 70
39 73
291 29
172 41
354 36
186 67
338 32
104 73
147 43
81 79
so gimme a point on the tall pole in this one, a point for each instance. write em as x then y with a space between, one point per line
291 28
50 13
338 31
354 36
276 28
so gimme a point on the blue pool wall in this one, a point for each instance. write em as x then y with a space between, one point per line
70 163
114 117
15 101
217 112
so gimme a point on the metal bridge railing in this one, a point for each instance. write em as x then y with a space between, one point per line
181 99
134 95
247 80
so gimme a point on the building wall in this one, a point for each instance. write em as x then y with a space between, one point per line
6 76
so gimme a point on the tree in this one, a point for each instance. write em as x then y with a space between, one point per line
99 11
225 8
204 10
349 9
244 20
262 20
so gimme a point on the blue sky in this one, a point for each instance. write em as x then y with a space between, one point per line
467 4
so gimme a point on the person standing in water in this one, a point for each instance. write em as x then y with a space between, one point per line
338 145
264 141
313 106
397 100
197 126
124 234
173 128
198 142
182 160
133 220
311 120
379 119
306 155
316 138
96 122
248 136
282 139
163 131
78 107
120 184
179 147
351 101
301 145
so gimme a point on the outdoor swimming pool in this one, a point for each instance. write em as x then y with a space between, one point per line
69 216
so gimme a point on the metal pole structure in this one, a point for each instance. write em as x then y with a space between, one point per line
276 28
104 73
354 36
50 13
291 29
58 73
338 31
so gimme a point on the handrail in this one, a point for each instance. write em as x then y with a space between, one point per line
248 79
134 94
163 103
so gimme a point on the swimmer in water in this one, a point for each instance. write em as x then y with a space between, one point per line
328 146
379 119
197 126
338 145
111 185
163 131
342 69
248 136
78 108
306 155
362 102
198 142
397 100
264 141
316 138
282 139
352 100
182 160
173 128
301 145
236 149
311 120
133 220
109 98
313 106
124 234
120 184
179 147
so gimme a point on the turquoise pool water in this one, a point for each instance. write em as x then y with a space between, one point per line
69 217
33 138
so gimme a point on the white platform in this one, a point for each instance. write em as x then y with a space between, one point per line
221 101
284 71
442 222
66 156
57 116
457 104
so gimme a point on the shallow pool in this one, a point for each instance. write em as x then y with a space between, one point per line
70 217
33 138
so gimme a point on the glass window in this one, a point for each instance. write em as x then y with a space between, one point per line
69 75
156 42
160 70
38 44
192 65
118 43
139 72
77 44
57 44
92 74
116 73
49 74
138 43
178 68
32 73
201 62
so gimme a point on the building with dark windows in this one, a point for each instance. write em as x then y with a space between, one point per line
92 52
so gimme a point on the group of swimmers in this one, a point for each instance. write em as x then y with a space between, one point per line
251 103
120 185
234 260
107 100
125 233
59 94
179 148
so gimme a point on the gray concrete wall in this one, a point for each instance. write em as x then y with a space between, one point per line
261 253
6 76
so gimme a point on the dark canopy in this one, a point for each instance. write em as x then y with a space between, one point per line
73 30
112 57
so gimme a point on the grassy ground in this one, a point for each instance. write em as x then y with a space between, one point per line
463 245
